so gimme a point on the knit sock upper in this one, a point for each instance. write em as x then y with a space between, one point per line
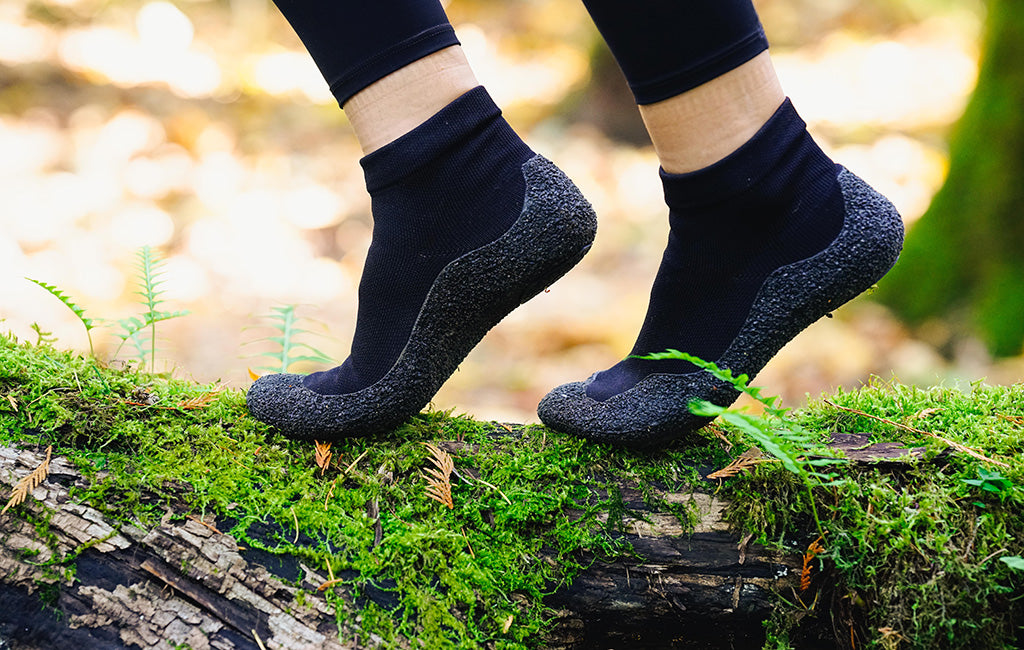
772 202
449 186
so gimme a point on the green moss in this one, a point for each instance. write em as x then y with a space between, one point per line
525 513
913 554
917 550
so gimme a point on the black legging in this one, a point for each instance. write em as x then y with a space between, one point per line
664 47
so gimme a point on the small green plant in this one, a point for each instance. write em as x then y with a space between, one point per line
148 268
289 351
43 337
87 322
993 482
149 271
798 449
1015 562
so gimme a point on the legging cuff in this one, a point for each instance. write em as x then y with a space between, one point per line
385 62
656 89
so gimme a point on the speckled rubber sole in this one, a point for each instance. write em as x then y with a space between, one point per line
469 297
655 410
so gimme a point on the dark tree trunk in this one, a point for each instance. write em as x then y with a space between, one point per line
184 582
965 258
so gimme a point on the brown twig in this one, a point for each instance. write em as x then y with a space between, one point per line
200 521
951 443
330 493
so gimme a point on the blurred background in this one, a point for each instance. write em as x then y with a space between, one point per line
202 128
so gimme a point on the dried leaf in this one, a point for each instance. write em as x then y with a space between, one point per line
439 478
252 375
718 433
14 404
815 548
750 458
507 624
330 583
199 401
29 483
926 413
323 456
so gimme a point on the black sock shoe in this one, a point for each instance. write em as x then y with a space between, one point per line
763 244
773 202
469 224
451 185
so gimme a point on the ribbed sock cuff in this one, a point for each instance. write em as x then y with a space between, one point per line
742 169
457 122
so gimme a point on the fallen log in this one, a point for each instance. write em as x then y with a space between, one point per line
73 577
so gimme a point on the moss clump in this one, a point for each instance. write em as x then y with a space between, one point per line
914 555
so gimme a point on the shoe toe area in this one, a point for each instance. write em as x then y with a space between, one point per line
269 396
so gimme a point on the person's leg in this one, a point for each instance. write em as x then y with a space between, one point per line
461 232
750 197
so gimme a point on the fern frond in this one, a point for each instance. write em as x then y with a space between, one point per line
29 483
42 336
131 330
148 269
289 350
774 431
87 322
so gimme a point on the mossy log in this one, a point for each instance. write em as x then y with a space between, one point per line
186 582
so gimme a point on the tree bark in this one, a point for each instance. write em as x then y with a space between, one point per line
185 582
962 260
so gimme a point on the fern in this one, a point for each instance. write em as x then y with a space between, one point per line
87 322
289 351
796 448
43 337
148 274
131 330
